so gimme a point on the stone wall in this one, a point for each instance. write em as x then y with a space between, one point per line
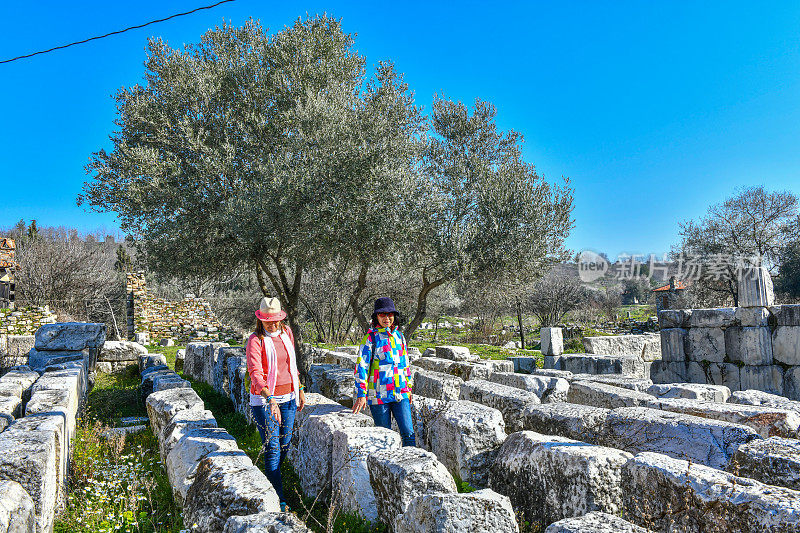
24 321
189 319
755 346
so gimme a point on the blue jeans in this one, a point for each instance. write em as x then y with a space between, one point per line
402 415
276 446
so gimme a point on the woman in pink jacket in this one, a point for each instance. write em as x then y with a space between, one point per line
275 390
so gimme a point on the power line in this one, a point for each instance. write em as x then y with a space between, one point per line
115 32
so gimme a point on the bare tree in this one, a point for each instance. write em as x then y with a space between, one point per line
553 296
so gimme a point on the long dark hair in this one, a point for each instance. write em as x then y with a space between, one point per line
260 331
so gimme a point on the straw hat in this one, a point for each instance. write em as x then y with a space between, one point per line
269 310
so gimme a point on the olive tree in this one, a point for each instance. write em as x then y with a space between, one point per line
274 153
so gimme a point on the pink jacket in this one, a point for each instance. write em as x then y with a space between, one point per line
261 362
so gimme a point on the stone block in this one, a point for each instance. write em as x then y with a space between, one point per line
189 450
774 461
315 376
786 345
42 359
602 364
552 341
674 318
722 317
220 371
465 437
10 410
510 401
767 421
265 523
786 315
70 336
104 367
315 448
757 397
705 344
499 365
437 385
573 421
29 455
19 345
647 346
226 485
147 386
668 372
752 316
349 475
553 362
749 345
456 353
121 351
691 391
606 396
10 388
755 288
768 378
17 514
150 360
700 440
163 405
398 476
22 375
673 344
170 382
179 425
594 522
667 494
547 389
442 512
237 383
549 478
625 382
339 384
526 365
180 357
725 374
200 359
167 342
791 383
553 373
316 405
423 412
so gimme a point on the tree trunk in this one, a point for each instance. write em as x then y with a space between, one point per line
521 330
422 304
356 296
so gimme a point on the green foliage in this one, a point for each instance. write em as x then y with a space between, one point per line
463 486
574 345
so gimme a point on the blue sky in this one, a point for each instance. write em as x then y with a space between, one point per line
655 110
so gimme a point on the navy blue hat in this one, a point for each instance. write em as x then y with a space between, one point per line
384 305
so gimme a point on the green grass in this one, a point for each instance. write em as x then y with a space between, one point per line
116 483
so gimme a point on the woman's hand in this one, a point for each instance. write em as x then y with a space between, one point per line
301 400
359 404
275 411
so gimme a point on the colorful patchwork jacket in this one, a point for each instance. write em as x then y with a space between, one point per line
382 369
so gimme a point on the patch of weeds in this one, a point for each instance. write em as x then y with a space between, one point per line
169 352
115 396
574 345
463 486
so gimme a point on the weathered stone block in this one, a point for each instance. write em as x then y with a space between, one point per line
170 382
465 438
767 378
316 404
547 389
526 365
668 372
791 383
237 383
150 360
577 422
10 410
456 353
220 371
316 377
19 345
147 386
17 514
647 346
42 359
179 425
265 522
200 359
606 396
594 522
189 450
774 461
700 440
726 374
705 344
350 477
441 512
398 476
673 344
121 351
667 494
315 448
70 336
691 391
437 385
29 455
549 478
10 388
755 288
142 338
625 382
163 405
553 362
757 397
553 373
552 341
22 375
423 412
226 485
510 401
713 318
602 364
767 421
752 316
749 345
786 315
786 345
339 384
499 365
674 318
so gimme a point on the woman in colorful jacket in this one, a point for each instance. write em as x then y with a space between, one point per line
275 390
383 375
